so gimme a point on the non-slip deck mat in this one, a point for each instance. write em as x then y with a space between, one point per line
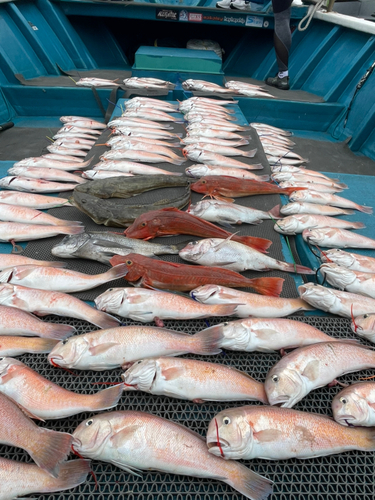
18 143
66 80
346 476
42 248
327 156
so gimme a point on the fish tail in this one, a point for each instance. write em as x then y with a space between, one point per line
275 212
255 166
341 185
107 398
243 142
103 320
71 229
247 482
50 449
207 341
176 161
250 154
117 272
358 225
54 264
70 223
366 210
296 268
44 344
347 212
86 163
267 286
59 332
71 474
260 244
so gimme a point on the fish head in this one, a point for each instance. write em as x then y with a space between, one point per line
70 244
350 408
337 276
111 299
7 368
229 434
92 435
298 195
290 208
201 186
199 208
314 236
68 352
317 296
339 257
199 170
289 225
209 294
135 263
6 294
143 228
141 375
284 386
282 176
196 249
364 326
235 335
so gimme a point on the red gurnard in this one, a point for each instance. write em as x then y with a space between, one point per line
170 221
182 277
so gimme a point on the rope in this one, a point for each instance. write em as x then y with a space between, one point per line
310 14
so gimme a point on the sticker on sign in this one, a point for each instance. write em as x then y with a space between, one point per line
254 21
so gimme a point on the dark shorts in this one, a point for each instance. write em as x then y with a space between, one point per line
280 5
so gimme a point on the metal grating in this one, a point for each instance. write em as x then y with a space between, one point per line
338 477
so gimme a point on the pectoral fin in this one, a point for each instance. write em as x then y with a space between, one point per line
172 373
312 370
268 435
102 348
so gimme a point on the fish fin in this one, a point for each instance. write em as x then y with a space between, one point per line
268 435
275 212
251 153
102 348
26 411
223 198
127 468
108 244
222 243
207 341
268 286
119 271
358 225
108 398
312 370
366 210
296 268
225 224
71 474
264 333
247 482
172 373
55 449
260 244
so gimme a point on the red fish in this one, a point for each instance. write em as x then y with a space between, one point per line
169 221
152 273
223 187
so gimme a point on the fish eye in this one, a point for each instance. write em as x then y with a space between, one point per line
275 378
64 341
226 323
203 182
343 401
129 262
110 290
143 224
366 315
89 422
226 420
2 359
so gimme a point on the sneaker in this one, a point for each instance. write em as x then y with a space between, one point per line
224 4
279 83
240 5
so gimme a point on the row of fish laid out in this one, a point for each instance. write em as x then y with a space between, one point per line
231 87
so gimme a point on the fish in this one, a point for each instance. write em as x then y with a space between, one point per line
222 150
68 159
337 238
308 368
364 326
152 273
147 83
126 188
355 405
297 223
214 133
135 441
201 170
279 160
322 188
170 221
89 122
155 103
102 245
272 433
225 213
42 162
282 152
212 140
16 231
299 170
47 400
134 130
349 280
269 335
223 188
72 128
14 321
19 478
235 256
197 381
132 168
115 213
142 304
335 301
74 143
151 114
249 304
206 108
16 346
73 135
103 174
139 124
141 156
313 209
249 92
215 159
211 113
109 349
32 200
270 128
353 261
17 429
118 139
96 82
313 179
208 100
312 196
59 280
34 185
24 215
43 303
11 260
203 86
216 123
133 144
60 150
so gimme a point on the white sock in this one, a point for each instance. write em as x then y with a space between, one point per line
283 74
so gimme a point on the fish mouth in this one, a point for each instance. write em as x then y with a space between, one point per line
282 401
218 446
